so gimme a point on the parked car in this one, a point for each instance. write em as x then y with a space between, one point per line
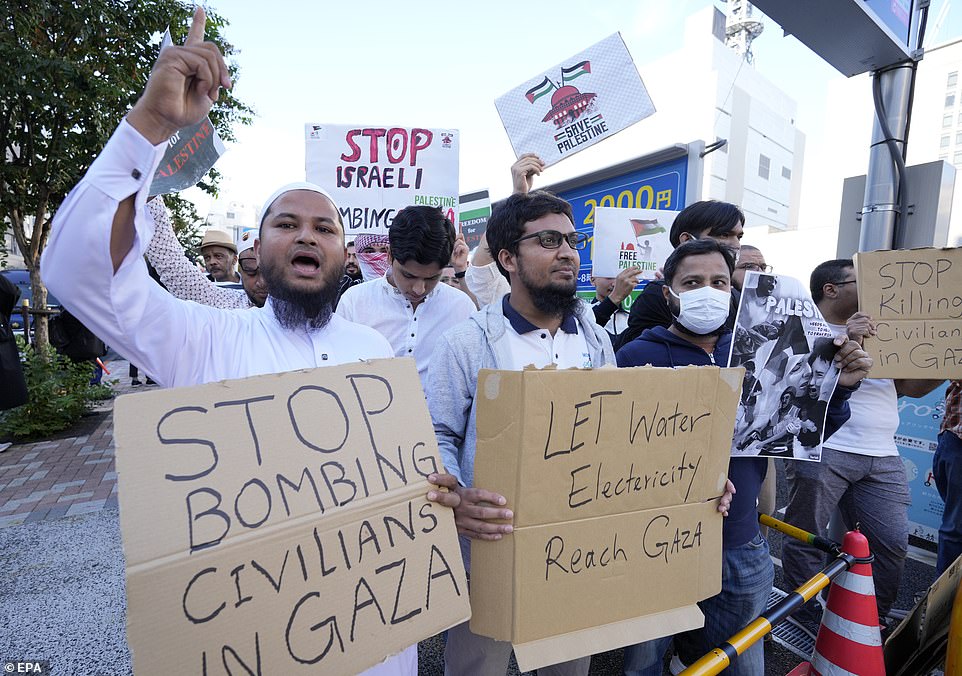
21 278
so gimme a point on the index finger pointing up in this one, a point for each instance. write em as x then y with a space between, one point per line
195 35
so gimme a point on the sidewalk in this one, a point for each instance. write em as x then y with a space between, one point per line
66 476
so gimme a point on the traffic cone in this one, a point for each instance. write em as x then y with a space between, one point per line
849 638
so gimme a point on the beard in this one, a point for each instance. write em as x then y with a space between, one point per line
298 309
555 299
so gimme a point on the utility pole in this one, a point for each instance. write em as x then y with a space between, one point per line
889 135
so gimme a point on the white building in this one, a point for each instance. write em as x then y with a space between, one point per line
233 217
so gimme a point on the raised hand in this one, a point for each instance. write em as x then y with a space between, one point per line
523 172
183 85
459 256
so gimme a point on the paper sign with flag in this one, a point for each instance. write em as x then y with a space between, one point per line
191 152
631 237
609 97
475 210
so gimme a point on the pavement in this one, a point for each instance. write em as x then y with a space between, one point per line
62 596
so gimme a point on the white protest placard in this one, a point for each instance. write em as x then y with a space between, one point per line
786 348
575 104
279 524
374 172
627 237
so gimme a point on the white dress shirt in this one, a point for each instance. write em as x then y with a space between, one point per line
178 342
486 283
412 332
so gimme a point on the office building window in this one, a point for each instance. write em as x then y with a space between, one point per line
949 100
957 158
944 143
787 173
764 166
952 80
947 120
958 138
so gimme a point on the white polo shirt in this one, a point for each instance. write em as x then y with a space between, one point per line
412 332
529 345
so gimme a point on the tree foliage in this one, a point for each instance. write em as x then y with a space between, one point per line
72 69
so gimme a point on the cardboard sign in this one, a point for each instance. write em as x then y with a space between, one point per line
374 172
915 298
627 237
190 154
591 96
612 475
787 350
278 524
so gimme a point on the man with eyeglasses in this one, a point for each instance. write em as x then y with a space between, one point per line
860 472
542 322
182 278
750 259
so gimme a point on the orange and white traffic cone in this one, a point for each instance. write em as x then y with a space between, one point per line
849 640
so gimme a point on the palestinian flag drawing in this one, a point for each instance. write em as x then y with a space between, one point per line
577 70
645 228
545 87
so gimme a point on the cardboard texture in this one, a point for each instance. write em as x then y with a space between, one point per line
926 627
278 524
915 297
612 476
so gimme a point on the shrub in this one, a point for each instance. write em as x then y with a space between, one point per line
59 393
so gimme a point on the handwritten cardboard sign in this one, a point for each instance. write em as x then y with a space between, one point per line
587 98
612 475
278 524
631 237
374 172
915 297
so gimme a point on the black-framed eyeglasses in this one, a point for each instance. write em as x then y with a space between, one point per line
755 267
248 265
850 281
552 239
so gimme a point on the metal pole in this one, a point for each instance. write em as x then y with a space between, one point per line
882 180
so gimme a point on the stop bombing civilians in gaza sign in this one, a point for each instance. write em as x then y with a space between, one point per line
279 524
577 103
374 172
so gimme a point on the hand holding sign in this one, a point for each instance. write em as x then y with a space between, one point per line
523 172
183 85
852 361
860 325
476 516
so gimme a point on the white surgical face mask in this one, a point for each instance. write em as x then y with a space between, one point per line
703 310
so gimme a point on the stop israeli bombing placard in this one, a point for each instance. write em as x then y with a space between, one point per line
587 98
374 172
915 298
278 524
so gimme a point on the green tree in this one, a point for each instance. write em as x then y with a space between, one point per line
73 68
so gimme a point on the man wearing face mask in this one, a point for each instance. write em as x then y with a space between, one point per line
372 255
709 219
697 291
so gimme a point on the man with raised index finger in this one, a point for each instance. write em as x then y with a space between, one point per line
300 252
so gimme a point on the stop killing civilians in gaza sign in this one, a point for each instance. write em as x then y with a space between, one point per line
374 172
577 103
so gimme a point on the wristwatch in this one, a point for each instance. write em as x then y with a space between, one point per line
460 275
